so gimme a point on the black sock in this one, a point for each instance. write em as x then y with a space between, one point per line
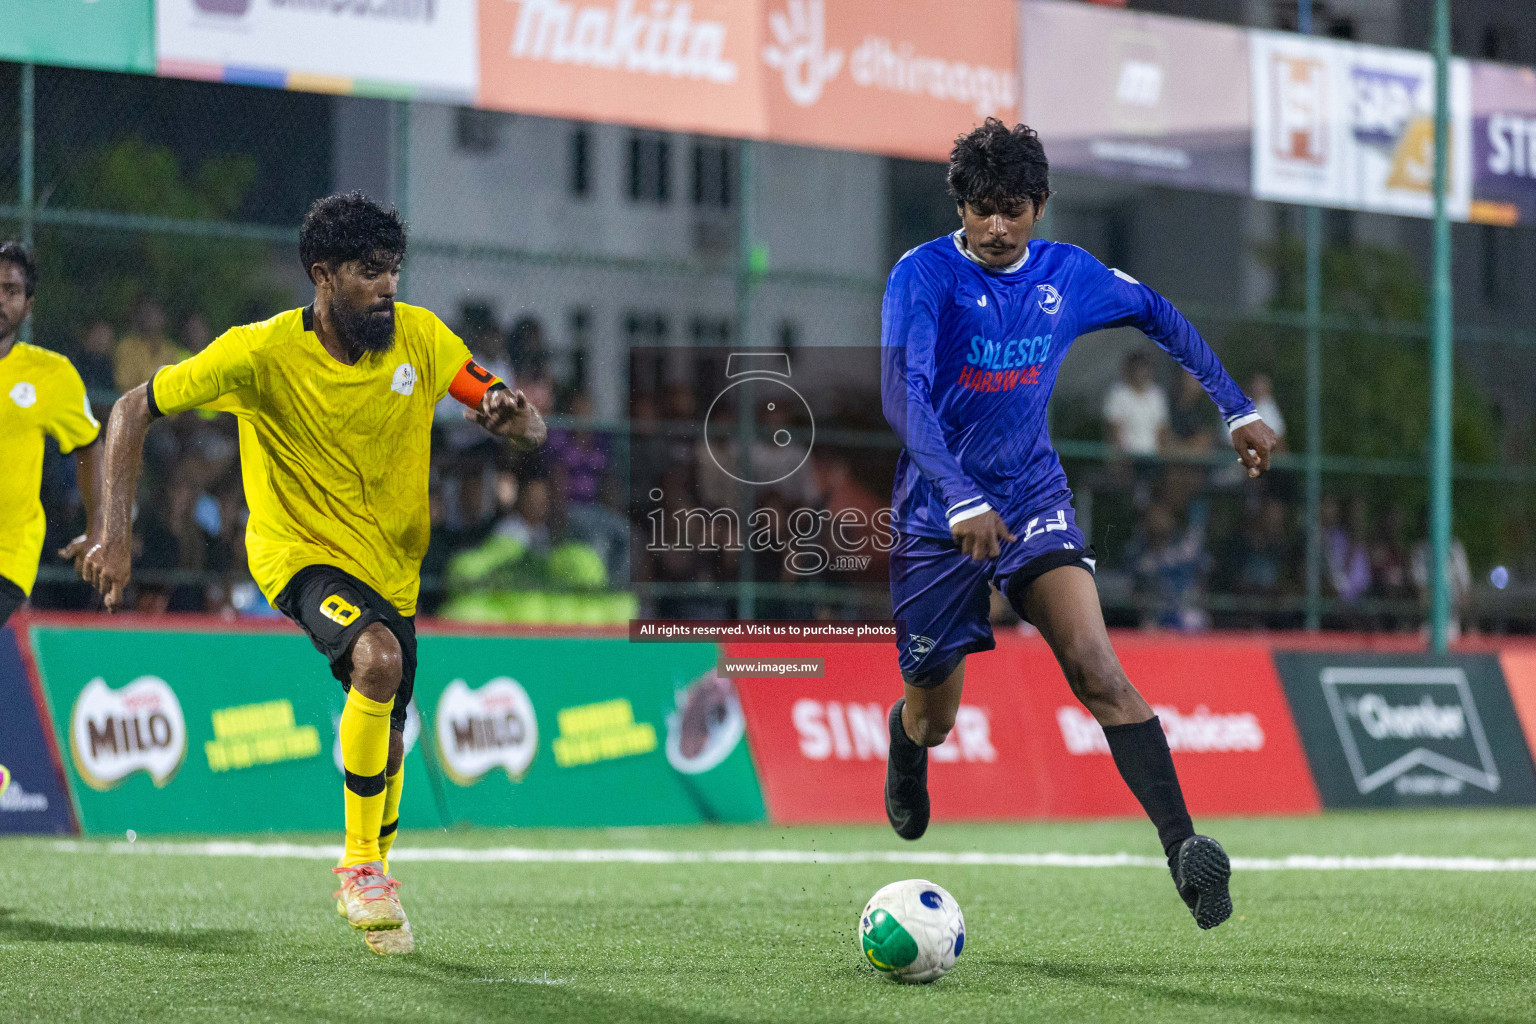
1141 753
905 752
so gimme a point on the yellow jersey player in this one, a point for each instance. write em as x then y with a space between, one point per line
334 403
40 394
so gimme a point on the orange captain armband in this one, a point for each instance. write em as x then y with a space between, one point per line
472 382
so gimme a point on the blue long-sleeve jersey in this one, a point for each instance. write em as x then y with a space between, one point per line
969 360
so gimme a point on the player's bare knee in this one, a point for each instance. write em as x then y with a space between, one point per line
396 752
376 663
1095 675
929 729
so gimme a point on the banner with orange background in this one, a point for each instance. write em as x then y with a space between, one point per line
901 79
676 65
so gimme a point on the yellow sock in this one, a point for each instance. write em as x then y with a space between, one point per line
364 752
392 784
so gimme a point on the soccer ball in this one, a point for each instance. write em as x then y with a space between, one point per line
912 931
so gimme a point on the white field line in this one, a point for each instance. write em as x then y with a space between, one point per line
528 855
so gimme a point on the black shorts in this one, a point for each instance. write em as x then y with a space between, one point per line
334 608
11 598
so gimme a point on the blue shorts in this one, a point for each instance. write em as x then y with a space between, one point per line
940 597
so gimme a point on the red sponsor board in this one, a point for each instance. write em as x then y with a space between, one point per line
1022 747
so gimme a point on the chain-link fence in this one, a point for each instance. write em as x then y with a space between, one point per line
607 270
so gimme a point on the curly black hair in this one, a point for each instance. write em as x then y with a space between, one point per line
999 166
349 226
15 252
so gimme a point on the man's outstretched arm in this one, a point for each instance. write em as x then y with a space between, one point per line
109 552
1120 300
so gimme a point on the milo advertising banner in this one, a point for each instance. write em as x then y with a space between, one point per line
584 732
193 731
200 731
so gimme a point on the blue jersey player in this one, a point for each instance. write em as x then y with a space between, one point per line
975 326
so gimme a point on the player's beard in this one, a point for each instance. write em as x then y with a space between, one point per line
364 330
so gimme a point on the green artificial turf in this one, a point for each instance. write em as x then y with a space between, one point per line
107 936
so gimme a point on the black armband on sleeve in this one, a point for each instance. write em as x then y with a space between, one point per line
149 393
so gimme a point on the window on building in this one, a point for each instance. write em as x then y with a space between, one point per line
643 328
580 177
709 330
477 131
1499 42
714 174
580 320
789 335
1499 256
650 165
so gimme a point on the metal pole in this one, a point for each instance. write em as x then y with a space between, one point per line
746 570
1314 388
1440 350
1314 417
28 167
401 159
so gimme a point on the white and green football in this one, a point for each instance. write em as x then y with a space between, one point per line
912 931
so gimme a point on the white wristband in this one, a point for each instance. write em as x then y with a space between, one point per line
1243 421
970 513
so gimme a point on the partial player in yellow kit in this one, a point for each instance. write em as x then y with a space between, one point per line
41 396
334 403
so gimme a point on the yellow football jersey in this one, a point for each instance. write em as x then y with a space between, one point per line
335 458
40 393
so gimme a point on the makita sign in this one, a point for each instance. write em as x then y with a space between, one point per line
1395 730
660 38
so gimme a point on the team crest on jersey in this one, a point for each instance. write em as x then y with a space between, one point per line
919 646
24 395
405 379
1050 299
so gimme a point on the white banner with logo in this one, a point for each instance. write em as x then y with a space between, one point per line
370 46
1345 125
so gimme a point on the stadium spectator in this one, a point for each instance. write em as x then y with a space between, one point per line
529 355
1390 571
1458 577
1169 566
528 521
579 461
145 348
1191 420
94 358
1136 408
1259 560
196 335
1347 558
1261 390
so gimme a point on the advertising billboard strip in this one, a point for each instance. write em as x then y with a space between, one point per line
213 731
1503 144
901 79
557 731
1022 746
398 49
1352 126
678 65
34 799
103 35
200 731
1144 97
1411 731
